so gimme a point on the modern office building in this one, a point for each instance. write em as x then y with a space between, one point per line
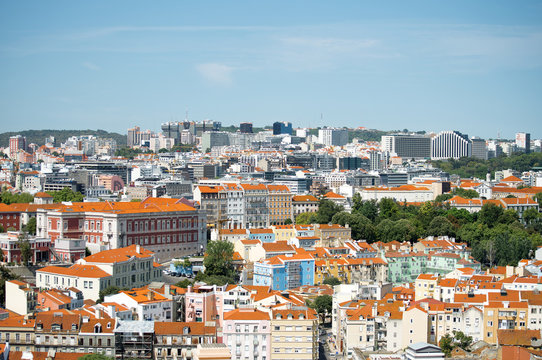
479 148
16 143
450 145
245 127
407 146
210 139
333 137
282 128
523 142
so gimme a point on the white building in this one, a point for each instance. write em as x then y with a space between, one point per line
450 144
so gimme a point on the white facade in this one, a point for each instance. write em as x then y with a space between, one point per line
450 144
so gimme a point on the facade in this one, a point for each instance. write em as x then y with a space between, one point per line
294 333
279 204
450 145
282 128
284 272
128 267
167 227
9 245
178 340
407 146
304 203
16 143
333 137
21 297
523 142
247 332
479 148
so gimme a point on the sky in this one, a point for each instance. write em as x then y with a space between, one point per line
472 66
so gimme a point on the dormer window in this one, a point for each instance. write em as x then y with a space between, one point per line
39 326
290 316
186 330
56 327
278 316
74 326
301 316
98 328
109 325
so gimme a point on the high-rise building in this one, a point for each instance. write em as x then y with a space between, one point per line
450 145
246 127
16 143
479 148
407 146
134 137
282 128
523 142
210 139
333 136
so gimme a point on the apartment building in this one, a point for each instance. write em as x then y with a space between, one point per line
279 204
294 333
167 227
247 332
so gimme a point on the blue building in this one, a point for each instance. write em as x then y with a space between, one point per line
282 128
285 272
264 235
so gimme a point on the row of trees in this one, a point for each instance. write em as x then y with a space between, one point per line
495 235
470 167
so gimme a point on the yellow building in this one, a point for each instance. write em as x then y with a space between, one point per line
332 235
504 315
294 333
425 286
279 204
283 232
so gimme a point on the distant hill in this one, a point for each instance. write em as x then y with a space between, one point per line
38 136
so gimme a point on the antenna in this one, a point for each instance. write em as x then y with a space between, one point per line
186 115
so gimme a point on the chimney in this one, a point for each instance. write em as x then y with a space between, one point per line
167 290
112 311
150 295
138 249
98 313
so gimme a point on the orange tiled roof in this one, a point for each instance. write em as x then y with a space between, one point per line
119 255
176 328
246 314
86 271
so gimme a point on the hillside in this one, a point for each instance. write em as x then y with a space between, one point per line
38 136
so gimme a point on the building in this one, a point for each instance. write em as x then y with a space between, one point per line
210 139
134 340
304 203
523 142
294 333
282 128
97 336
69 250
407 146
479 148
284 272
425 351
333 136
247 332
21 297
450 145
165 226
177 340
127 267
245 128
10 247
16 143
279 204
145 303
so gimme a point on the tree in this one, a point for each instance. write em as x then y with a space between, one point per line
467 194
66 194
87 252
184 283
530 216
326 210
443 197
288 222
457 339
388 209
110 290
306 218
24 247
440 226
323 305
31 226
369 209
219 261
362 227
538 197
490 214
332 281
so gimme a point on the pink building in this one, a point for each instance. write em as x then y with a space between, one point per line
205 304
247 332
9 245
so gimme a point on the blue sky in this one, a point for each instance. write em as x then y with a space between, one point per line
472 66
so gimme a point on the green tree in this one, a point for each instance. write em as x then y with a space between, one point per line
538 197
443 197
219 261
457 339
184 283
440 226
323 305
332 281
110 290
31 226
530 216
66 194
362 227
490 214
288 222
388 209
465 193
24 247
326 210
306 218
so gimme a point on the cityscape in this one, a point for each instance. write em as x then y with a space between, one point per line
231 182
